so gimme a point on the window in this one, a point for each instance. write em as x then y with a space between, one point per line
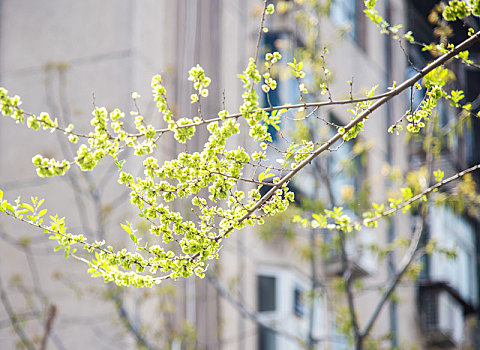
441 317
340 170
415 99
472 136
339 341
266 339
454 231
342 13
345 14
271 43
286 90
282 308
266 293
298 305
266 303
344 168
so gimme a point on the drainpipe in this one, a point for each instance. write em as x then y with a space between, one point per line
186 57
389 140
242 250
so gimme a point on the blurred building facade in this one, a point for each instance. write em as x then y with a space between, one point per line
448 290
262 293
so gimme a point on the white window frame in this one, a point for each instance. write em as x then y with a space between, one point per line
284 318
454 232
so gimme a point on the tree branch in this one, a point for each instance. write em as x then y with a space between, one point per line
248 313
423 193
13 319
123 314
411 255
52 311
402 87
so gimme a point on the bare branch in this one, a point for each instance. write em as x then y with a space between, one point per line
52 311
411 255
248 313
14 319
127 322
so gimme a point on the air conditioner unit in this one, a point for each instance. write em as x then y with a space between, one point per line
441 317
361 261
334 267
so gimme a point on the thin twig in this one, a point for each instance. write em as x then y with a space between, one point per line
423 193
406 84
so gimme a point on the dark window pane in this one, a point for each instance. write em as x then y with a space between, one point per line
342 13
272 43
298 306
266 293
266 339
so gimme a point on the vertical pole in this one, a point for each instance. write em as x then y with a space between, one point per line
389 147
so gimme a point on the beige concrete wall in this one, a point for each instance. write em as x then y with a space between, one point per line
55 55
